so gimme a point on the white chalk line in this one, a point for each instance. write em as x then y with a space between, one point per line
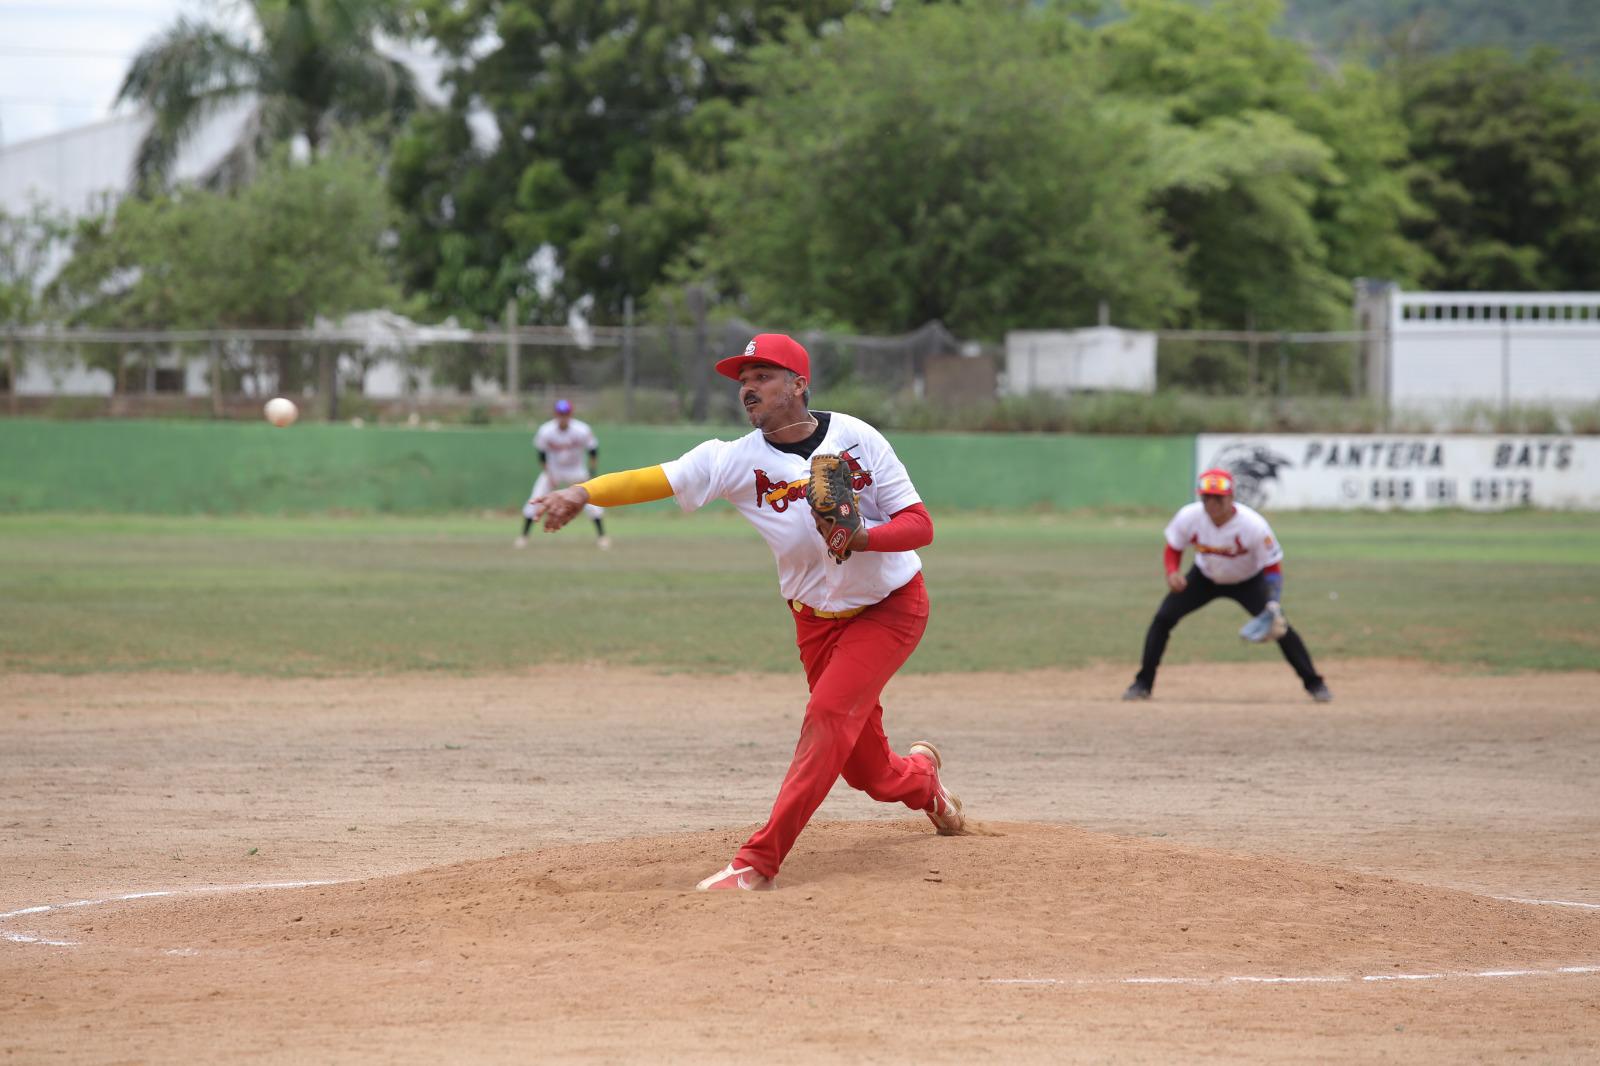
25 938
1234 979
1324 979
1311 979
1549 902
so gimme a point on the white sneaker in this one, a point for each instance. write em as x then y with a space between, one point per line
944 809
737 878
604 543
520 542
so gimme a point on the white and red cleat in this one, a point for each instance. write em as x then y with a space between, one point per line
944 810
735 878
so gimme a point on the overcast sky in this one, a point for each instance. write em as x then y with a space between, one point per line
62 61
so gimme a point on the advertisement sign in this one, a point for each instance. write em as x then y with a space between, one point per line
1287 472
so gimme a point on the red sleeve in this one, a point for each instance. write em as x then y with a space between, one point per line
1173 557
1275 568
905 531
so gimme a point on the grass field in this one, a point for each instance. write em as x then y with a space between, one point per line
329 596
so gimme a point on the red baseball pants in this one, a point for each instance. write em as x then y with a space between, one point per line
847 661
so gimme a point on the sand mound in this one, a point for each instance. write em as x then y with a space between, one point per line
869 902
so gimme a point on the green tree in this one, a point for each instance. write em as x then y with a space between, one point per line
954 163
602 116
310 66
298 242
28 240
1280 181
1509 169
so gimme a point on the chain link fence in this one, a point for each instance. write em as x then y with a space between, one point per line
381 364
1256 364
381 367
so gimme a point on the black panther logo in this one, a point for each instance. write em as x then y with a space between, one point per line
1254 468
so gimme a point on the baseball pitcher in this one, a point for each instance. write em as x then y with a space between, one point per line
836 506
1235 556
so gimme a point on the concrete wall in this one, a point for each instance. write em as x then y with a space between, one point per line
229 467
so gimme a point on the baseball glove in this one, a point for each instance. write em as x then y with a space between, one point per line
834 505
1270 624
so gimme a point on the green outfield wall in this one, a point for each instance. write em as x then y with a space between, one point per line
171 467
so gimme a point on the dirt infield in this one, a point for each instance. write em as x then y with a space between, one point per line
1227 873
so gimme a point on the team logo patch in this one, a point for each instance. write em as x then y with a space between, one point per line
750 349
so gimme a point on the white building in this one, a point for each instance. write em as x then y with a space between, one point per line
1435 351
1079 360
83 170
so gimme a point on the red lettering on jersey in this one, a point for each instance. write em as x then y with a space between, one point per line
1232 552
778 494
859 478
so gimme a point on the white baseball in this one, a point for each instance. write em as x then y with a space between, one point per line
281 412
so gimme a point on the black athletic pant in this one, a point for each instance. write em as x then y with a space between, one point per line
1251 594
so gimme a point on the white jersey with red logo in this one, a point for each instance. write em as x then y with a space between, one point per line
768 487
1230 553
566 451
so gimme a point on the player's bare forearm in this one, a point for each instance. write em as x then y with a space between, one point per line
1177 582
561 506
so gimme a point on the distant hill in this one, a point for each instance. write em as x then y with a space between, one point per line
1335 26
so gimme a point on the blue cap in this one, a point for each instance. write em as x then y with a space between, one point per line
563 407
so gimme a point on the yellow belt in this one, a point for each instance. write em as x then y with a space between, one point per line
800 608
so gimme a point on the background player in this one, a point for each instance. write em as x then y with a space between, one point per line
856 622
1236 556
568 453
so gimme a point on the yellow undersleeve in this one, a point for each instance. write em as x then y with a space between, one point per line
629 486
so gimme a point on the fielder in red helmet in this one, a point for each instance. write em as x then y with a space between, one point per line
1237 557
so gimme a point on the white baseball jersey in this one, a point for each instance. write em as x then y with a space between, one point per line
768 487
1230 553
566 451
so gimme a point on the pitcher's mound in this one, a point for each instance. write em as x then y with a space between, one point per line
869 903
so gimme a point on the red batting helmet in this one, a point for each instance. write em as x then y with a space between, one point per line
1215 482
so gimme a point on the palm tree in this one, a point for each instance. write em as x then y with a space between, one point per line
310 67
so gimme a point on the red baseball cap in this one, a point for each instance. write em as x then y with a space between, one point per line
1215 482
774 349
